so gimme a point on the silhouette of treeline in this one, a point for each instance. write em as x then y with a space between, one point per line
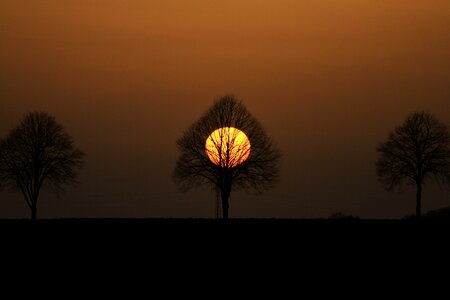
39 153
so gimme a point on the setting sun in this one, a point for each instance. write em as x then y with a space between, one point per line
232 144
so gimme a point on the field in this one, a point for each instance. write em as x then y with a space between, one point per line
237 244
246 230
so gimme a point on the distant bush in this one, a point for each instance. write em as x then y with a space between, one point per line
339 215
410 217
440 213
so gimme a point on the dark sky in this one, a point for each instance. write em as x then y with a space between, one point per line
327 79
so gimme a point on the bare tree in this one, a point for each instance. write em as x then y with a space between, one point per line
227 149
417 150
38 152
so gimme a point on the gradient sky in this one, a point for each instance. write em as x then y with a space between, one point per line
327 79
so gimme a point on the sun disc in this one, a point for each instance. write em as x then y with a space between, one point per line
227 147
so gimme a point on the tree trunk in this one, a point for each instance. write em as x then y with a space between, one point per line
225 195
34 209
419 200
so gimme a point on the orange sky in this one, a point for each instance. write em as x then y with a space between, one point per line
327 79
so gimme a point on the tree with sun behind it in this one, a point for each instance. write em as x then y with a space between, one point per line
227 149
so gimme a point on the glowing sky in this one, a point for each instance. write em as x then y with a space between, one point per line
327 79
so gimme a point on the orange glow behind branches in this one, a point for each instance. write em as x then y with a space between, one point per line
232 144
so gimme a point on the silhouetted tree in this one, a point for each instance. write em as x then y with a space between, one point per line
415 151
36 153
251 164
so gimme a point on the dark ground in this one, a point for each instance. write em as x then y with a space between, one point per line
253 240
245 230
237 249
